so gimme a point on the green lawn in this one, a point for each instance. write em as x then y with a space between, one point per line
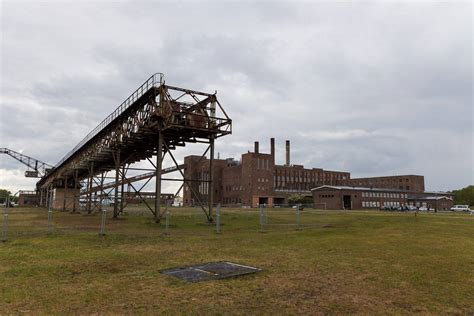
335 263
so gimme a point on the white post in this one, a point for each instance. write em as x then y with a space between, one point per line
218 218
50 214
102 224
167 223
298 216
5 220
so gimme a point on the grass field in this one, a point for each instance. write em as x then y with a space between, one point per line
336 263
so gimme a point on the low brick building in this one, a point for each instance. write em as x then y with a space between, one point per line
135 198
349 198
432 202
28 198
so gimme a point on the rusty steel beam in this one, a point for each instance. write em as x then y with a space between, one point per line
143 176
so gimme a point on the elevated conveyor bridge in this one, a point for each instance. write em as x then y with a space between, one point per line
152 122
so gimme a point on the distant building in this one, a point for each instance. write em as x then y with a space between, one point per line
348 198
28 198
253 180
413 183
256 179
133 197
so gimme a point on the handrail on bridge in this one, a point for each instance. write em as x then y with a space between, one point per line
147 85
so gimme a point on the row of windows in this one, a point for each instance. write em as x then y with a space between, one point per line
326 195
263 163
385 195
378 204
308 176
203 187
371 181
262 180
229 188
295 186
295 179
232 200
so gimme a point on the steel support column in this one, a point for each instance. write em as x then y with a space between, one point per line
117 173
76 196
159 162
121 189
91 180
101 198
211 180
65 194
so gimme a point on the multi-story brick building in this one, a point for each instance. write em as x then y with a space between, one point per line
253 180
413 183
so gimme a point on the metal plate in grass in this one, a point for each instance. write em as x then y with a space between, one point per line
210 271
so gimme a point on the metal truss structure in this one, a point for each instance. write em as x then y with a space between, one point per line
153 122
39 168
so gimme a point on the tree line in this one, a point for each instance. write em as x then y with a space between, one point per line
3 196
464 196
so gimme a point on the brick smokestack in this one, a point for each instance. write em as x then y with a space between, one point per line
256 148
287 152
272 148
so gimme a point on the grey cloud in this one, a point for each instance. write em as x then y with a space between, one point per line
372 88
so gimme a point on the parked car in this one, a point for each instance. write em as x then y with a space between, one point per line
460 208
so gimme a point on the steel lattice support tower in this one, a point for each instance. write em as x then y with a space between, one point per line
154 120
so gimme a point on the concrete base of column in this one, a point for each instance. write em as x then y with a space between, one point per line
66 199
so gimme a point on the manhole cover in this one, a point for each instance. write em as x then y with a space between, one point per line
210 271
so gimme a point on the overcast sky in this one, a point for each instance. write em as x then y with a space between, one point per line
373 88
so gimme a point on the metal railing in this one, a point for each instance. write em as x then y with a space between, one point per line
155 80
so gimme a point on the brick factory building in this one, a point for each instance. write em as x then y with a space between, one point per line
256 179
253 180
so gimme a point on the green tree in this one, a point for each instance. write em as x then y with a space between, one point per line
464 196
3 195
300 199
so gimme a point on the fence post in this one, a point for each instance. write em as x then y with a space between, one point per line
298 217
167 222
262 218
50 215
218 218
5 220
102 224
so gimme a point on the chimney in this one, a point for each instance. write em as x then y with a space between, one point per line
288 153
272 148
256 148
